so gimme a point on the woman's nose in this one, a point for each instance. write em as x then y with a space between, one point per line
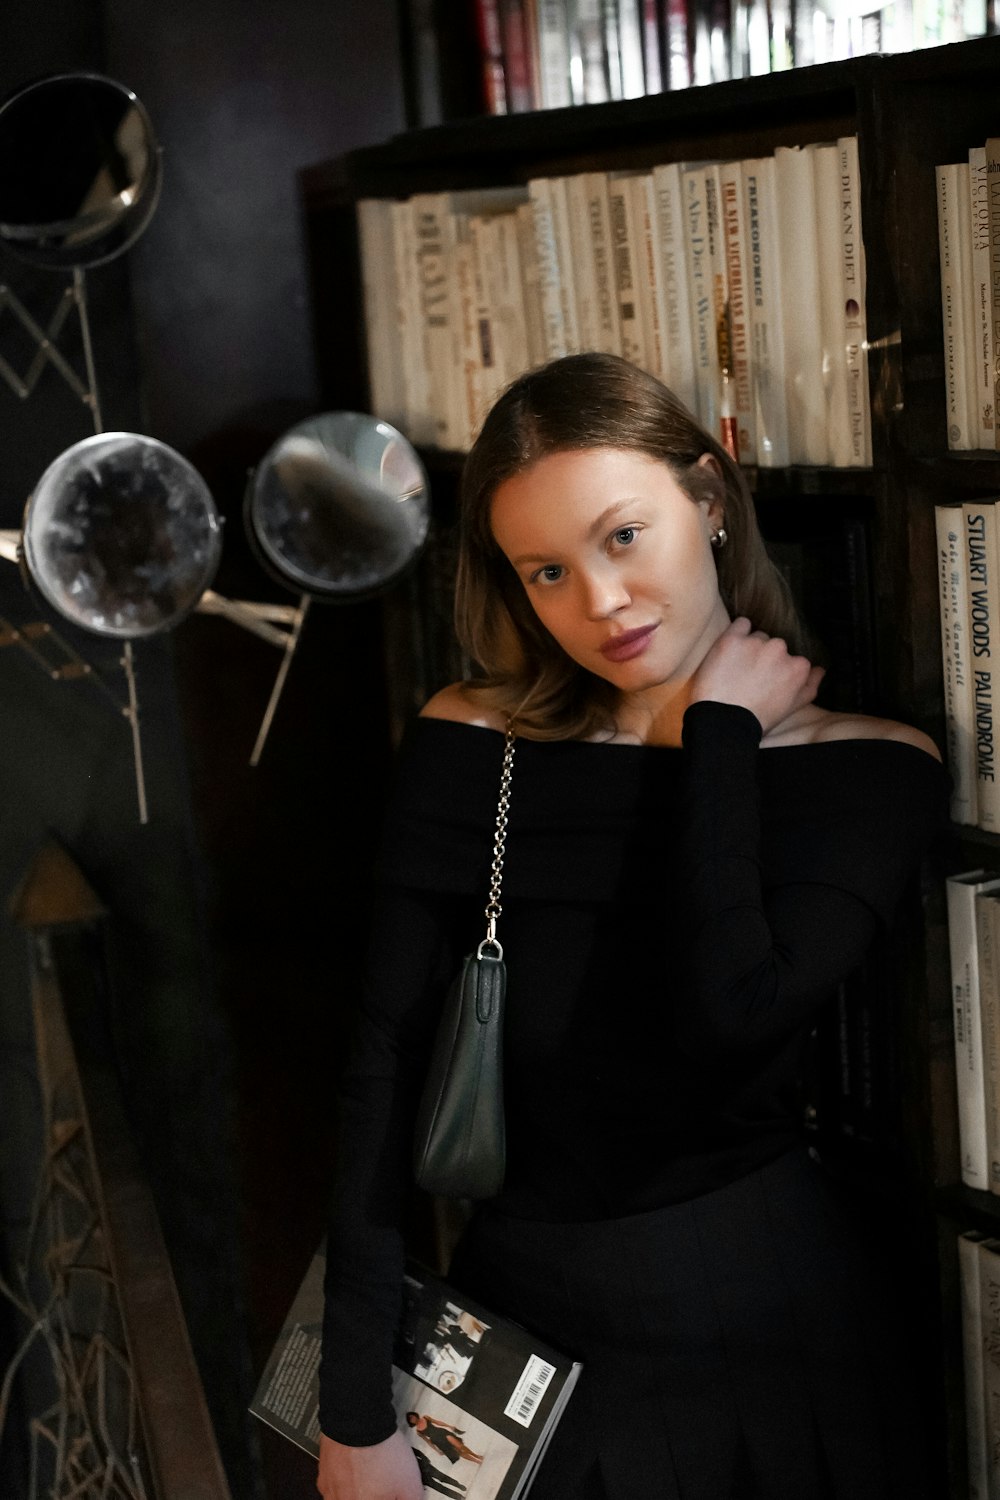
604 594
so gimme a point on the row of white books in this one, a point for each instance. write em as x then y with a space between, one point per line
973 904
968 545
740 284
979 1276
968 203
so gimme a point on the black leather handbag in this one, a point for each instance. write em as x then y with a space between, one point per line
460 1143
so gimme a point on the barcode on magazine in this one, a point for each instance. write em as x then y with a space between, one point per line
529 1390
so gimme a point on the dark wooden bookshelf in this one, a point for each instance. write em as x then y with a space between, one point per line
910 113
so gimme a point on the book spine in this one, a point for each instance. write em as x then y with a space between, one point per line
434 226
548 268
648 279
378 274
984 647
967 1030
629 308
419 423
855 308
954 213
972 1359
599 237
678 350
652 62
612 48
737 276
630 30
724 428
509 285
989 1305
989 1020
981 303
588 73
958 703
516 56
993 213
700 281
796 195
533 310
471 402
566 251
766 320
829 239
554 54
490 375
680 71
491 56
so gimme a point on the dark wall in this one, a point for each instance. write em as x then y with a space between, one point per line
234 916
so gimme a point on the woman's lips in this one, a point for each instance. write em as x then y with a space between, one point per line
630 643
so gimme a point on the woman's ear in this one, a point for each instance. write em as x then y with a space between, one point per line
715 509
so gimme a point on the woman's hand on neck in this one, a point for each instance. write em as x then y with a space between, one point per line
755 671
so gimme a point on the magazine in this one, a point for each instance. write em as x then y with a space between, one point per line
477 1396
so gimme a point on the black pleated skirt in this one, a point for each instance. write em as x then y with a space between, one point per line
739 1346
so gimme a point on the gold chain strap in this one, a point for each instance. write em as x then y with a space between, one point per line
493 907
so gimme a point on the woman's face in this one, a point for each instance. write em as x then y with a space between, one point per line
617 562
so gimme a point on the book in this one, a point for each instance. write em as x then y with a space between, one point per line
829 239
524 216
517 58
566 255
547 260
724 426
989 1312
993 212
737 252
596 289
677 44
626 261
588 75
767 338
855 314
983 636
678 351
961 892
798 235
433 231
972 1360
630 31
988 952
953 590
554 54
464 1380
612 49
494 78
954 245
648 270
703 334
984 348
386 392
652 59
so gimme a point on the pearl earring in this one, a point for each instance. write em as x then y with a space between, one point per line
720 537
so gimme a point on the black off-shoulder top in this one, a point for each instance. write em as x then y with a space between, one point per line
673 921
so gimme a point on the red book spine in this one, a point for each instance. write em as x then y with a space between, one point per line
516 56
491 56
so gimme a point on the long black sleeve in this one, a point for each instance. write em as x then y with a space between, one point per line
759 962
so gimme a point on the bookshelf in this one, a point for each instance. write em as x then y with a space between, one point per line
909 113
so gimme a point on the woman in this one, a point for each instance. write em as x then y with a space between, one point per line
697 855
443 1437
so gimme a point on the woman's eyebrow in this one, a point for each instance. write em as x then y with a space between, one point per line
593 530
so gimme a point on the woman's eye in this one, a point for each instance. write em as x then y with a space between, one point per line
625 535
551 573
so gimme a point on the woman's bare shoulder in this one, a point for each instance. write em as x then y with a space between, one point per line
463 704
825 725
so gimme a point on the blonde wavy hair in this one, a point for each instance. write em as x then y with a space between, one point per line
578 402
